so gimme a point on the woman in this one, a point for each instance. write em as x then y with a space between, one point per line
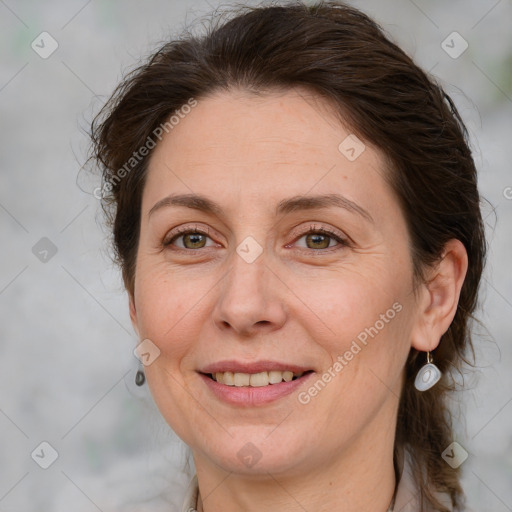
295 211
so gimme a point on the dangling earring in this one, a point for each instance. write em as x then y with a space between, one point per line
428 376
140 378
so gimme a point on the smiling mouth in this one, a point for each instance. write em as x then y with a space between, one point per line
259 379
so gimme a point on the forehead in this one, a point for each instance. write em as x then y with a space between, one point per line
262 147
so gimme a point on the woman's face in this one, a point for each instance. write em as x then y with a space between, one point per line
293 257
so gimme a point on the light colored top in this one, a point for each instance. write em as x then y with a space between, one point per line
406 497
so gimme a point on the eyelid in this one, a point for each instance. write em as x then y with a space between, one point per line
313 228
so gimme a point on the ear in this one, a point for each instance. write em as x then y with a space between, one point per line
439 297
133 313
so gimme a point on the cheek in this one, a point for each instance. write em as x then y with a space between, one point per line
365 316
348 301
166 310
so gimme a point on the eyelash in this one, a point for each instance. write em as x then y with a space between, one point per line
342 242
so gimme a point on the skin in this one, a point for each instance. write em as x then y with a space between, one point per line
298 302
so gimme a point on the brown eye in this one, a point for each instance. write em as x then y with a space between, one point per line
317 239
195 240
189 239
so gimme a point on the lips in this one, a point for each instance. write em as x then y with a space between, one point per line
256 374
252 384
253 367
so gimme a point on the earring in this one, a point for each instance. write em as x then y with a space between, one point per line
428 376
140 378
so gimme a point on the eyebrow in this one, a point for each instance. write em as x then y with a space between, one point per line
292 204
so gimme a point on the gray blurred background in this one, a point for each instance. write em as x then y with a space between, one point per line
66 343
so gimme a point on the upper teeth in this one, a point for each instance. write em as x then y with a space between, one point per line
254 379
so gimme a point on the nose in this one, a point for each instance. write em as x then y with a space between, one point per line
251 299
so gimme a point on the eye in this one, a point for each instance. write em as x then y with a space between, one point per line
190 238
322 238
316 238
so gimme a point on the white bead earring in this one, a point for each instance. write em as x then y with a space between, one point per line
428 376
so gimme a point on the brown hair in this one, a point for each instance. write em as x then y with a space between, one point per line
343 56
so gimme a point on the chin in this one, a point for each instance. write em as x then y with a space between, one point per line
249 451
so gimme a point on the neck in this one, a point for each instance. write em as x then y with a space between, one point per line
360 477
